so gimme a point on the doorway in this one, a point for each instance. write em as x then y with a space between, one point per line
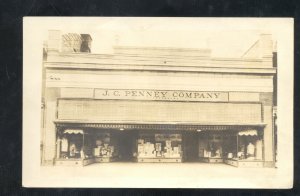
127 145
191 148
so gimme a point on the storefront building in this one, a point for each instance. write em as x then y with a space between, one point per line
146 104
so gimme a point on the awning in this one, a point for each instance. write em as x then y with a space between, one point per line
73 131
248 132
75 124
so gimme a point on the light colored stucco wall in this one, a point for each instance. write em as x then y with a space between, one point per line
155 80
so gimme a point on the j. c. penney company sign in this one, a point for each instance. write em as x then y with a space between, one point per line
171 95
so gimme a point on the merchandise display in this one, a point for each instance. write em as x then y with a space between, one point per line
242 150
104 147
250 148
159 146
104 151
70 146
85 148
211 146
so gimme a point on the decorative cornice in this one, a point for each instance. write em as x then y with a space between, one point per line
132 67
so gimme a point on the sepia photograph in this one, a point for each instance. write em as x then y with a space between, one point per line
158 102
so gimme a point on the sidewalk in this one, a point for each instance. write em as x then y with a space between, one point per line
159 175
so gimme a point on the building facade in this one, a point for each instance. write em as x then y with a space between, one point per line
144 104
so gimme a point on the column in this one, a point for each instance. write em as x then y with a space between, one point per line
268 137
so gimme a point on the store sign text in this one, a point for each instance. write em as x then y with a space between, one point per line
171 95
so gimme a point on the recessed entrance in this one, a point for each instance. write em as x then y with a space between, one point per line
190 146
127 145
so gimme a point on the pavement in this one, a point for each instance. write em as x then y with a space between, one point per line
157 175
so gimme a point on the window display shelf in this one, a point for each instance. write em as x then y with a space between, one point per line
159 160
211 159
103 159
84 162
74 162
244 163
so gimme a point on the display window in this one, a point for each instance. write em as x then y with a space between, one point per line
105 145
159 145
250 147
246 145
244 149
211 145
70 144
214 147
88 146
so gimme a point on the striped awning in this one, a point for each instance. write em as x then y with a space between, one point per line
73 131
250 132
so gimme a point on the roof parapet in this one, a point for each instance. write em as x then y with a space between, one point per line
261 49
